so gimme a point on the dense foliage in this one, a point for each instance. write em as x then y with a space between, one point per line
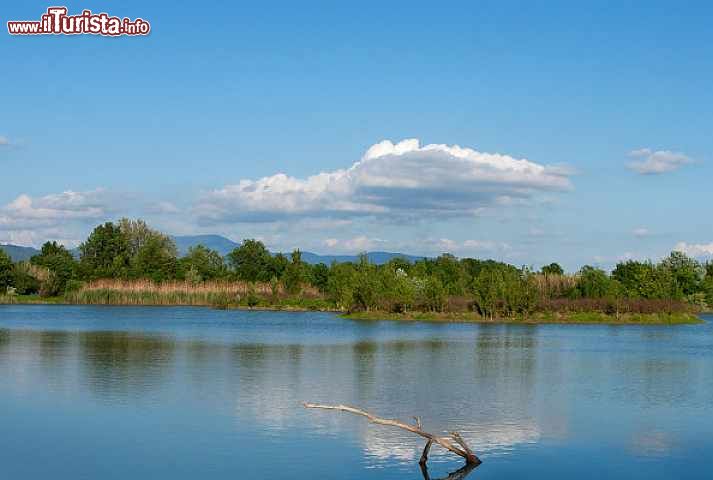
60 265
6 271
131 250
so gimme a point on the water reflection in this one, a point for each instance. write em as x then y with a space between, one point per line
459 474
505 388
124 365
268 382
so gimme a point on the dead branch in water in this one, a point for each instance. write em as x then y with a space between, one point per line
460 449
459 474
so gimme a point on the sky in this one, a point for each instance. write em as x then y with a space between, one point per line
529 132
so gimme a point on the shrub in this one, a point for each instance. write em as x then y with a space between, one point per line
432 295
6 271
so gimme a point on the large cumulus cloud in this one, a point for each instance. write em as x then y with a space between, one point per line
695 249
402 179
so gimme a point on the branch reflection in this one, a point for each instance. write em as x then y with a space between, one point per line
459 474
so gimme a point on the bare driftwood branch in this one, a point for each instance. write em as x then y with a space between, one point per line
460 449
426 450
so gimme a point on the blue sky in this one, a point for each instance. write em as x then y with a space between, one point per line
166 127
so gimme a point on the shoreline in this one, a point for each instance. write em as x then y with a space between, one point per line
582 318
586 318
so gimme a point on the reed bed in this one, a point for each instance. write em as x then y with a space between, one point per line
216 293
554 286
42 274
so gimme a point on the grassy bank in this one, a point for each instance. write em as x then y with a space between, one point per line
204 299
211 294
266 296
538 318
156 300
30 300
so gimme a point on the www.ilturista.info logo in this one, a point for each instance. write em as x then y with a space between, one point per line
57 22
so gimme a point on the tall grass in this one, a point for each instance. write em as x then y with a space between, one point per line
216 293
42 274
554 286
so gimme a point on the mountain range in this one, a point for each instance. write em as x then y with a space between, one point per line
18 253
224 246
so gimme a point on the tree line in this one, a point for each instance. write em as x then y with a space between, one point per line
131 250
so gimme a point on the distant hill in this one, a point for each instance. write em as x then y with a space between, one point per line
224 246
216 242
18 253
378 258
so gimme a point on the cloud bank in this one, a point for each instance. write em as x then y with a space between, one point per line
402 180
695 249
649 162
27 220
416 246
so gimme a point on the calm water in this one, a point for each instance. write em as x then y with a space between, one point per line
179 393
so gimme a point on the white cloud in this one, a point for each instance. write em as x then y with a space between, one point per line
63 216
4 141
443 245
641 232
695 249
469 247
485 245
165 208
331 242
426 246
655 162
391 180
53 209
361 243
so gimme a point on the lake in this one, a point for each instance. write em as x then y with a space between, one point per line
178 393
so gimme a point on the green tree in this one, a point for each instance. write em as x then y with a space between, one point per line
319 277
643 280
552 269
433 295
205 263
154 260
295 274
521 291
471 268
105 254
61 265
397 290
450 272
6 272
592 282
399 263
138 234
251 261
366 285
708 284
503 290
488 287
341 285
23 280
686 273
277 265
